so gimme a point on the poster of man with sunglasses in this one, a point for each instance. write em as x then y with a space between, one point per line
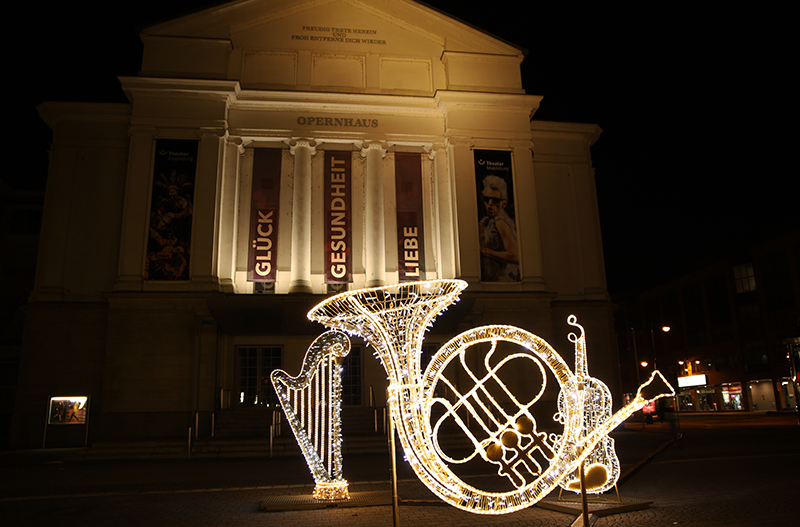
497 225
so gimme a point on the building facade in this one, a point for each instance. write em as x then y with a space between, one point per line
272 154
731 326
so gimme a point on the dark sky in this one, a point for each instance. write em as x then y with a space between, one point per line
692 105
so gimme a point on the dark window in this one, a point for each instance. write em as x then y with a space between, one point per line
695 315
256 364
777 285
745 278
351 377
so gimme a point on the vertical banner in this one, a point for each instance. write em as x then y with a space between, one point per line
170 233
338 238
264 207
410 243
497 224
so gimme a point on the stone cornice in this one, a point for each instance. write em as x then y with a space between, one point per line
213 89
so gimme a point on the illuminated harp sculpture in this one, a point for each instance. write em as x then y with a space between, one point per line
392 320
312 404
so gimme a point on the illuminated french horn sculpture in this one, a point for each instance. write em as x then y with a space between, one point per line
393 319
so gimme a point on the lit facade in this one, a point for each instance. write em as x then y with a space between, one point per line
273 154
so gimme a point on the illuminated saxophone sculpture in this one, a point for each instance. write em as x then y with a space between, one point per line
392 320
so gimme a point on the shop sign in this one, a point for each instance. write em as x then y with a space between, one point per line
692 380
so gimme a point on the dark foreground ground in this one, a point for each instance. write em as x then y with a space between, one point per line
726 471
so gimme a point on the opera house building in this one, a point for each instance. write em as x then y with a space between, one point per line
272 154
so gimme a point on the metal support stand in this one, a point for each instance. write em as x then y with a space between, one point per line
393 453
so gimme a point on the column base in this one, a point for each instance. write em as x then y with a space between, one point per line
300 286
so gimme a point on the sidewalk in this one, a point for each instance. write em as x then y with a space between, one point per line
43 487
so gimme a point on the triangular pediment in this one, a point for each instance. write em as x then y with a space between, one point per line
382 46
268 23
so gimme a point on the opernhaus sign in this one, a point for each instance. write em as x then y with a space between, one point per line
342 122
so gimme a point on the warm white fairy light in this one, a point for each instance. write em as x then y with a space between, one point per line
601 465
312 404
393 320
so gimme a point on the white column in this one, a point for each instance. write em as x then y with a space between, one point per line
302 150
229 189
134 219
374 227
444 214
528 232
205 220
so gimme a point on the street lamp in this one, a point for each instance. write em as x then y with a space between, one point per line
665 329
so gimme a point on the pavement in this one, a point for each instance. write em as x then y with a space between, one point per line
725 471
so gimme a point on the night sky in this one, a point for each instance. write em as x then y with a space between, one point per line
691 101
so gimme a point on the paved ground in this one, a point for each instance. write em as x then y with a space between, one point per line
726 471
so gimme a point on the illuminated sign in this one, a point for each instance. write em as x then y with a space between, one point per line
68 410
692 380
505 432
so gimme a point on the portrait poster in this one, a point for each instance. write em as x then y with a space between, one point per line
496 216
264 208
338 218
410 241
68 410
171 208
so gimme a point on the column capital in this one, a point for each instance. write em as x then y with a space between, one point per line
520 144
238 142
366 146
460 141
433 149
298 142
217 131
135 130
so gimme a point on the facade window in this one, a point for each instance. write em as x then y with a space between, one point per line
745 278
255 365
352 377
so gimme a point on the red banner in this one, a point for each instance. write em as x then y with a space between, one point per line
410 241
338 238
264 208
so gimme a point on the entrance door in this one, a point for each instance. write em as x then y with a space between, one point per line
255 365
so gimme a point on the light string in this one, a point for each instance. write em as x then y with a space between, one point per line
312 403
393 319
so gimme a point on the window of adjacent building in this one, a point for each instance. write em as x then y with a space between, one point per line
255 365
352 373
695 315
745 278
777 283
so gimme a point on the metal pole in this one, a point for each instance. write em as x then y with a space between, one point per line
584 501
636 364
393 453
